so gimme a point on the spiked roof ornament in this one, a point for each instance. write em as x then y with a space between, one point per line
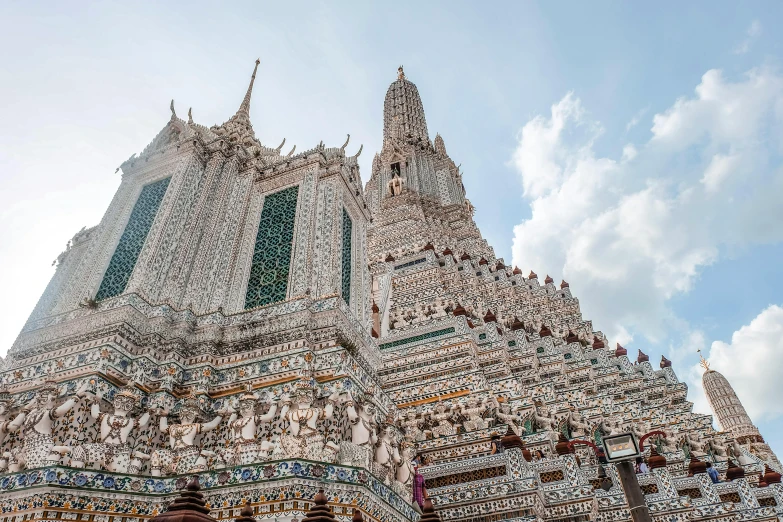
239 126
244 108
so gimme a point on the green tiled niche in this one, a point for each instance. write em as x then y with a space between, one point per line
122 262
274 244
346 269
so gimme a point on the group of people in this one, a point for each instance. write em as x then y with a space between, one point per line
642 467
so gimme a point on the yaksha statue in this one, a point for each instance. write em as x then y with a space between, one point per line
112 451
37 422
387 453
5 421
577 424
442 417
412 426
508 416
184 456
406 471
361 417
473 410
245 448
361 412
303 439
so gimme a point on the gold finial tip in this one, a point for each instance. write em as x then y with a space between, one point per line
400 73
258 61
703 362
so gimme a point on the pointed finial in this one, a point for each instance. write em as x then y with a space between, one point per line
245 107
400 73
292 151
703 362
173 114
190 115
280 147
346 143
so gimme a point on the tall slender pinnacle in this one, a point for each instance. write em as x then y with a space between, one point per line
245 107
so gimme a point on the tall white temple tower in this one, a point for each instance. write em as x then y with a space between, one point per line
264 321
730 412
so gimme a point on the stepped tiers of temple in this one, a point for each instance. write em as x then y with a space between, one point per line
263 321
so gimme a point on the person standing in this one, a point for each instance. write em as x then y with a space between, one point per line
713 473
419 488
495 445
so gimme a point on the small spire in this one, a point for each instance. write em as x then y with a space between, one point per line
171 107
245 107
400 73
246 513
190 115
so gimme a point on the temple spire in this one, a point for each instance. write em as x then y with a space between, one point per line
244 109
239 125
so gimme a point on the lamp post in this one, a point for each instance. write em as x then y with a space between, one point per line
605 481
621 450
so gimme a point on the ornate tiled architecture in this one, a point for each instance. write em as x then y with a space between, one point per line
264 321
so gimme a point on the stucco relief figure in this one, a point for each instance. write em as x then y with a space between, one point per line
396 184
387 453
412 426
508 416
184 456
668 444
545 422
473 411
405 471
245 448
36 421
717 449
112 450
303 438
361 417
736 453
577 424
442 417
364 432
5 421
639 429
696 444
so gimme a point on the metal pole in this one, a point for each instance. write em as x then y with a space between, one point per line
633 492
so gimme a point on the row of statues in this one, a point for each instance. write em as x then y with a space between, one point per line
375 445
385 446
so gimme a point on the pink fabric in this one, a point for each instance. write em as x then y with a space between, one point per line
418 488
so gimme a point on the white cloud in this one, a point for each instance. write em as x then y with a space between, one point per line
636 119
537 156
718 170
629 152
751 361
631 233
753 32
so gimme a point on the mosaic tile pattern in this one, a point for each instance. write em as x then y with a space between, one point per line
274 243
347 259
132 240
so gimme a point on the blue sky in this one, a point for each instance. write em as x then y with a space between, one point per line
633 150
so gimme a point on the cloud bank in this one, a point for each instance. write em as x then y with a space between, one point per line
633 231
